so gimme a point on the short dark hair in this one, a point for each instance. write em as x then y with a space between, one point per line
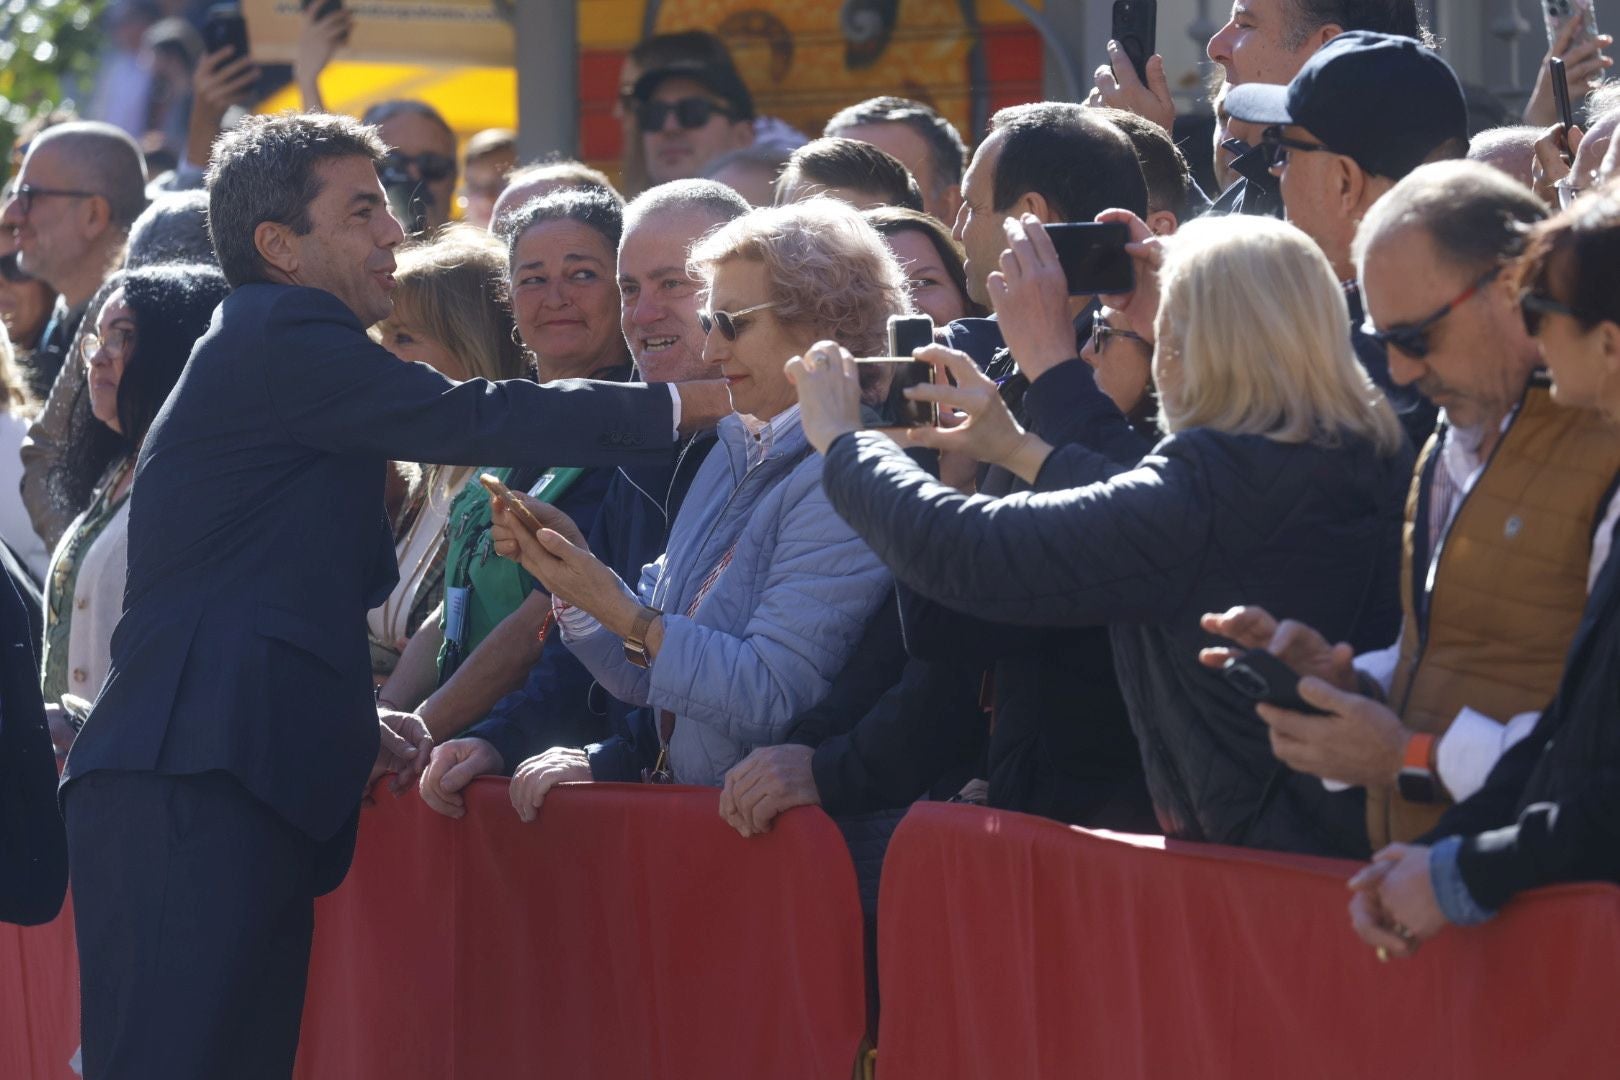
849 163
265 170
1164 169
1380 16
946 149
588 206
1575 258
891 220
1476 216
1077 161
174 229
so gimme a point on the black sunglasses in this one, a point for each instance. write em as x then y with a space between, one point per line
690 113
1278 145
728 322
1532 307
430 167
25 194
1413 338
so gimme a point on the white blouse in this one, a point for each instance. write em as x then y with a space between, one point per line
98 601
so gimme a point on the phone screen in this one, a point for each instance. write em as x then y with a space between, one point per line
1093 257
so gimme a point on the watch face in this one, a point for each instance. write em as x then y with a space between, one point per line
1416 785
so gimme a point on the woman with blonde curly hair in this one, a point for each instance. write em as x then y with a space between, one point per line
762 593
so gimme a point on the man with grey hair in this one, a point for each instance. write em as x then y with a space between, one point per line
659 316
173 229
81 187
1508 524
1510 148
215 789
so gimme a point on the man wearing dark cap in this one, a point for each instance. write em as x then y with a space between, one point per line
689 115
1363 112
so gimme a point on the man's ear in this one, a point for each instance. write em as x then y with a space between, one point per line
1352 183
278 246
1162 223
1032 202
96 215
1324 34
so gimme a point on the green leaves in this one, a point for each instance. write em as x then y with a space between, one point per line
48 51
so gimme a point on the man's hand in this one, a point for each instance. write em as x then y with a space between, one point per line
1031 297
1583 64
1299 646
1405 900
1359 742
1549 166
536 777
704 403
1119 87
405 750
986 430
221 80
455 765
1140 306
764 784
319 38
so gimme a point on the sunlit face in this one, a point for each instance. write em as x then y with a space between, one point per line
932 290
349 250
1581 359
678 153
56 234
659 301
1254 45
104 368
414 135
753 365
565 300
978 225
403 335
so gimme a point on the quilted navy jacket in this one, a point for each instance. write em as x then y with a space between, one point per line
1204 522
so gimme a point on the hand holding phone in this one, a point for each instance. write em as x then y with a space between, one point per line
907 334
509 502
1135 28
224 27
1259 675
1093 256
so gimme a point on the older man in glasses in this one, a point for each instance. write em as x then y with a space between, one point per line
1363 112
689 115
1510 519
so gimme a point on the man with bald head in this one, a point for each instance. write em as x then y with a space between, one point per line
81 187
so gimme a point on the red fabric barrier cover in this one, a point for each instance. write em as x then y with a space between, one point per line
1012 946
629 933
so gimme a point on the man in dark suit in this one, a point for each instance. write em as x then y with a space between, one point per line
215 790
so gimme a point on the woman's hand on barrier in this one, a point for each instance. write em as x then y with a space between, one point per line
535 778
453 766
829 393
766 783
988 433
1031 297
1140 306
1403 890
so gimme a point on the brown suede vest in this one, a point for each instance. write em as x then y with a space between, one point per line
1508 588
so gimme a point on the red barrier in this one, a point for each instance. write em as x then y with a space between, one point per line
630 933
1012 946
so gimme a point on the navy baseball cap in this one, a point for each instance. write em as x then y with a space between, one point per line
722 81
1386 102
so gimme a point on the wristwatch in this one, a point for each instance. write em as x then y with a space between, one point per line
635 642
1416 781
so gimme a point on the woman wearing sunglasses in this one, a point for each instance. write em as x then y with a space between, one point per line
142 337
762 593
1283 472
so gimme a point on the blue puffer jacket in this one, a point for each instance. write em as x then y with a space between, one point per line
778 624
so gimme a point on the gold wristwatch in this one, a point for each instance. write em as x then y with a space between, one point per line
635 642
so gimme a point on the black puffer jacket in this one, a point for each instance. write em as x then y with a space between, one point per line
1205 522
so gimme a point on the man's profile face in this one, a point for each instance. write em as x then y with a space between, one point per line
422 141
678 153
659 300
1255 45
1309 180
978 224
51 239
349 250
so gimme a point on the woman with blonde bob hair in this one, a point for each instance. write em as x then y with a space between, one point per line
1283 474
762 593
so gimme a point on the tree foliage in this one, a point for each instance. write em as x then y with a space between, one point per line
48 50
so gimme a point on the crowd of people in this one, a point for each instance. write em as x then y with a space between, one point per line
1357 410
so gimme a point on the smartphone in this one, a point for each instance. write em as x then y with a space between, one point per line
1566 116
1093 257
224 27
1259 675
511 503
326 8
1560 13
907 334
1136 28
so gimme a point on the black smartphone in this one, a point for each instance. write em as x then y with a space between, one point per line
326 8
1093 256
1136 29
907 334
224 27
1259 675
1566 115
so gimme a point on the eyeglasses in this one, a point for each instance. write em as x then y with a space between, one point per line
430 167
690 113
1278 145
25 194
1413 338
1532 307
726 321
1101 332
116 344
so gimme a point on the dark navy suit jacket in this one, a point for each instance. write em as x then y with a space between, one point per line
258 541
